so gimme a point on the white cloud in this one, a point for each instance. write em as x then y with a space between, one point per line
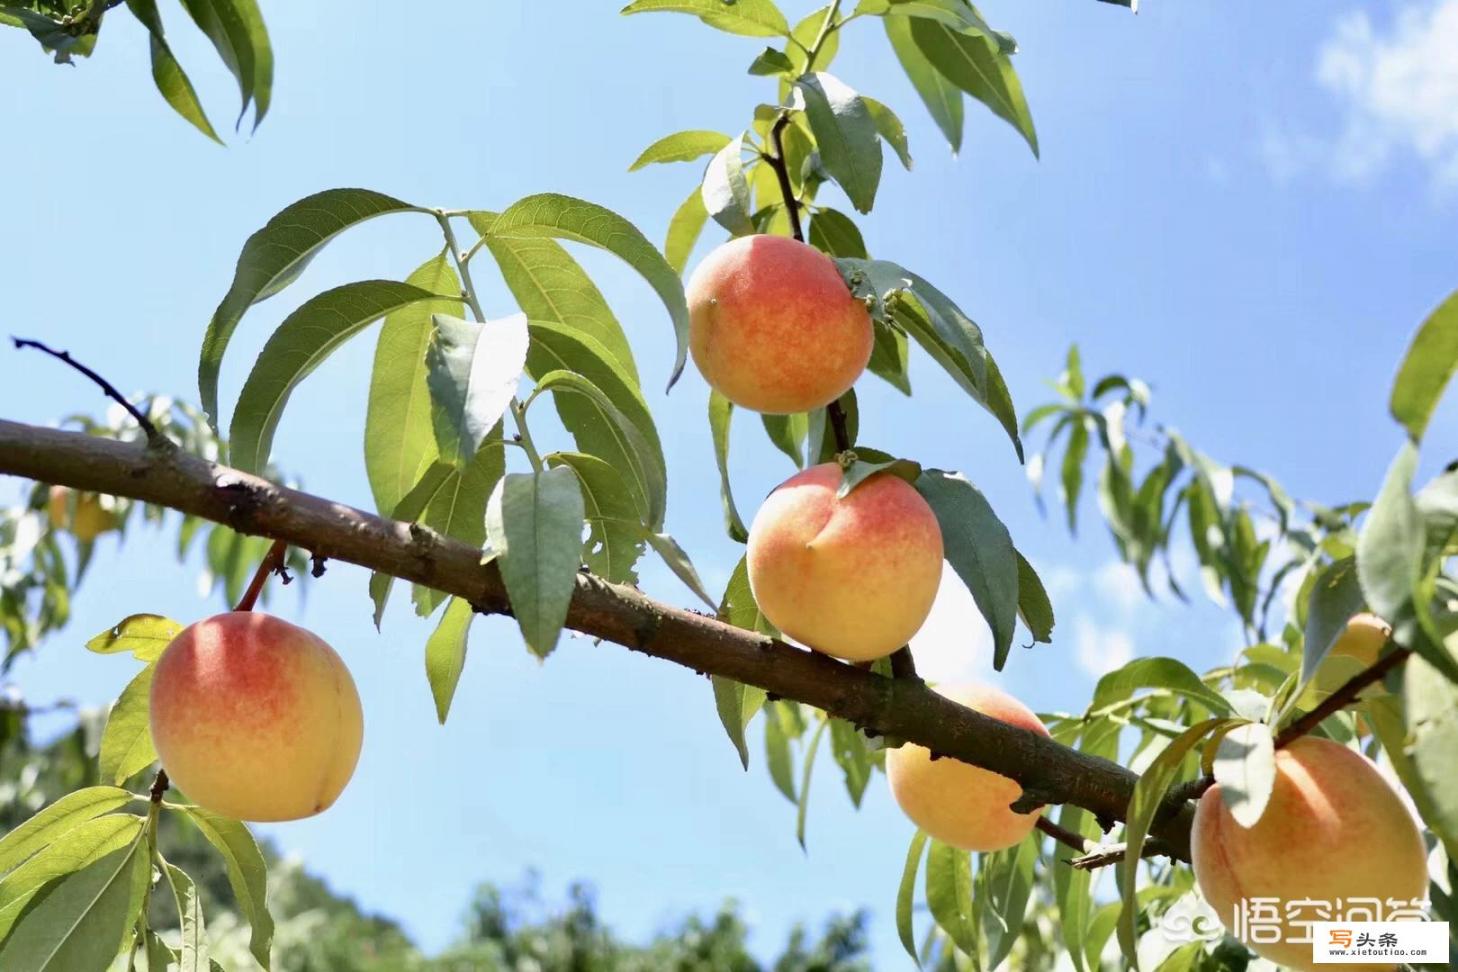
1397 85
1100 650
955 643
1118 584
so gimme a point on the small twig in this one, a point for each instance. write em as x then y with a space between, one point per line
1063 835
1339 699
154 437
902 664
838 426
317 565
1114 853
782 173
159 786
272 563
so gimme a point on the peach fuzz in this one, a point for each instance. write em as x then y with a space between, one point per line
773 326
1334 829
853 577
958 804
255 718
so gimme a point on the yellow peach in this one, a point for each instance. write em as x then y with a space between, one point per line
255 718
853 577
958 804
1334 830
1362 639
774 327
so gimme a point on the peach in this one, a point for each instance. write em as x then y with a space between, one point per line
255 718
773 326
1334 829
1362 639
90 519
965 806
852 577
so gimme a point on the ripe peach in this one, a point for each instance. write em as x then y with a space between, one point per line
255 718
852 577
774 327
1334 829
1362 639
965 806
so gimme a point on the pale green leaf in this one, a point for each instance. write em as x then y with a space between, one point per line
534 527
750 18
146 636
126 743
472 371
850 146
680 147
247 875
445 654
1427 368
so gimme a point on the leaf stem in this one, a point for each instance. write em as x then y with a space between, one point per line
463 264
524 435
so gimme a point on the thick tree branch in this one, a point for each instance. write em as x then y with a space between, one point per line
900 708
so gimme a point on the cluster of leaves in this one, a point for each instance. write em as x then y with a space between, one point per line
38 577
69 29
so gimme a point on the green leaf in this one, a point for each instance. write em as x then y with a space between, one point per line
236 29
906 893
301 343
949 894
977 66
48 827
1006 878
1072 475
399 438
769 63
1335 597
549 285
1148 796
684 229
943 99
616 536
721 413
777 753
891 358
1391 544
126 743
565 218
889 126
736 705
848 747
804 36
445 653
738 606
1245 768
750 18
861 470
1034 607
534 527
65 852
172 82
247 875
472 371
274 257
79 926
457 509
682 146
788 433
409 509
833 232
1426 369
146 636
980 550
850 146
193 955
598 431
678 561
647 475
1168 674
725 191
803 803
1420 734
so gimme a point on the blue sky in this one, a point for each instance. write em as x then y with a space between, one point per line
1250 207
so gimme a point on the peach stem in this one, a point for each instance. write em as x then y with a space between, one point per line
272 563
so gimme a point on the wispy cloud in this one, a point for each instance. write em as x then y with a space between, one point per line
1397 85
955 643
1100 650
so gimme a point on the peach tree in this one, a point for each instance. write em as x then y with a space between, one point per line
516 468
